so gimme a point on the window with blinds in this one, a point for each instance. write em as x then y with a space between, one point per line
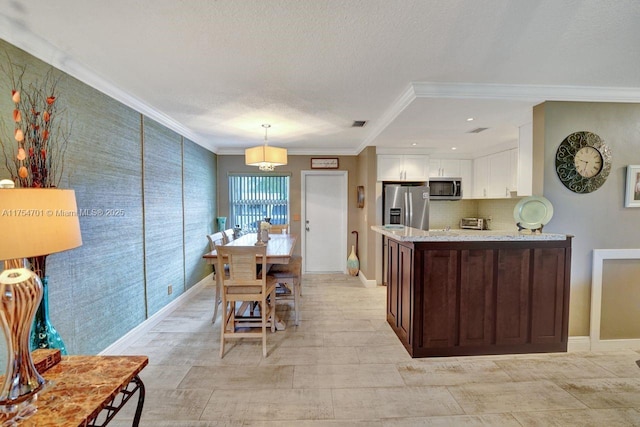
253 198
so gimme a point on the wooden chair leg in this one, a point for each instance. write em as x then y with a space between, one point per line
272 298
263 315
215 302
296 300
223 325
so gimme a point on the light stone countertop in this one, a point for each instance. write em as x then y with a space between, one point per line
408 234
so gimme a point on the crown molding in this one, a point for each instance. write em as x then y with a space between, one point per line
44 51
295 152
526 92
405 99
535 93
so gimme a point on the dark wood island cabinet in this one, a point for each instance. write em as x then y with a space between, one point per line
457 294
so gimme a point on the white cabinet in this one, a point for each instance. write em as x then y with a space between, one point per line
454 168
480 177
403 167
499 175
495 176
513 169
466 173
450 168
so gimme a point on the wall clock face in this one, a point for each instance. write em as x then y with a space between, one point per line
583 162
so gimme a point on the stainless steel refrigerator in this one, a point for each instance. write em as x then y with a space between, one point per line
404 204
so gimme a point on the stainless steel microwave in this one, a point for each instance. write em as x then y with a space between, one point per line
442 188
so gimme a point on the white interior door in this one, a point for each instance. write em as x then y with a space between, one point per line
324 221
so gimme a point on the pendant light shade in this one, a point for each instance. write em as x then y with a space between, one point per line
264 156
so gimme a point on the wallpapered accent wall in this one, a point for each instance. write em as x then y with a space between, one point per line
165 188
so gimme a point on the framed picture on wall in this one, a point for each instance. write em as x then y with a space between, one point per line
324 163
360 196
632 193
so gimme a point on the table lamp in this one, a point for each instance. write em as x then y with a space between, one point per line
33 222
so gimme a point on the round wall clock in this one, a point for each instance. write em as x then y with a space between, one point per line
583 162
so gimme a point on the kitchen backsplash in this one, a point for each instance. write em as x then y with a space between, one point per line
447 213
500 211
443 213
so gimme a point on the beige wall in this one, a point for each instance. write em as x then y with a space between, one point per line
598 220
620 317
296 164
367 215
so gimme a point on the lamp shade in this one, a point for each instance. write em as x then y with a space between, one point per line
257 156
37 221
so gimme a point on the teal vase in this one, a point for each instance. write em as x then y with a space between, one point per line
43 334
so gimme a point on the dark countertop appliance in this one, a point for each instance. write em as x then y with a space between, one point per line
443 188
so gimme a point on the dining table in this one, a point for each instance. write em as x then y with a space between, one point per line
280 248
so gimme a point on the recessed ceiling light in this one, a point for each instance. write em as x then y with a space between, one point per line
470 119
454 148
414 144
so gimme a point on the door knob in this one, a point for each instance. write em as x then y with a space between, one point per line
307 228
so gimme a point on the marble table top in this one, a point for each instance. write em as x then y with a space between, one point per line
80 387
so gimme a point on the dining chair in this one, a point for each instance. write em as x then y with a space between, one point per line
244 285
289 279
216 240
278 228
228 235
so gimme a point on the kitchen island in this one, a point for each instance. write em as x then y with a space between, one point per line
468 292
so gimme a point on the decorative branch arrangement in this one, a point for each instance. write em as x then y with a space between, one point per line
35 156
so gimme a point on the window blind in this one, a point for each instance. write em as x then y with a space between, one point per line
253 198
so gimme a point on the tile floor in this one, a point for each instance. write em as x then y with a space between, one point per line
343 366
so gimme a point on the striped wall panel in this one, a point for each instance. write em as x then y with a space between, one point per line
163 214
199 209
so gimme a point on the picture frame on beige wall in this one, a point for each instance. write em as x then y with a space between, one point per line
632 190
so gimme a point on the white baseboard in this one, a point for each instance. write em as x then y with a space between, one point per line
585 343
143 328
610 345
579 344
365 282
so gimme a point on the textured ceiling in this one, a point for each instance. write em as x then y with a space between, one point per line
415 70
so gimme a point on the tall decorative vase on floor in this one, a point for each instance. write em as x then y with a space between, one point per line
353 264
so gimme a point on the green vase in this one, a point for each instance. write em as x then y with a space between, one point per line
43 334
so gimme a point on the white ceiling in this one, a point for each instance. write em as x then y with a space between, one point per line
215 70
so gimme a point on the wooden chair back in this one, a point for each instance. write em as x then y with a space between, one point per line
228 235
242 262
278 228
215 240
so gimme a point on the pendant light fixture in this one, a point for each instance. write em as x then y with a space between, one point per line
264 156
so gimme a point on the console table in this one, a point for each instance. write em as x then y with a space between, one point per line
85 390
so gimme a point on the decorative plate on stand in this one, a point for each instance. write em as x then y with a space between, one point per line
532 213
